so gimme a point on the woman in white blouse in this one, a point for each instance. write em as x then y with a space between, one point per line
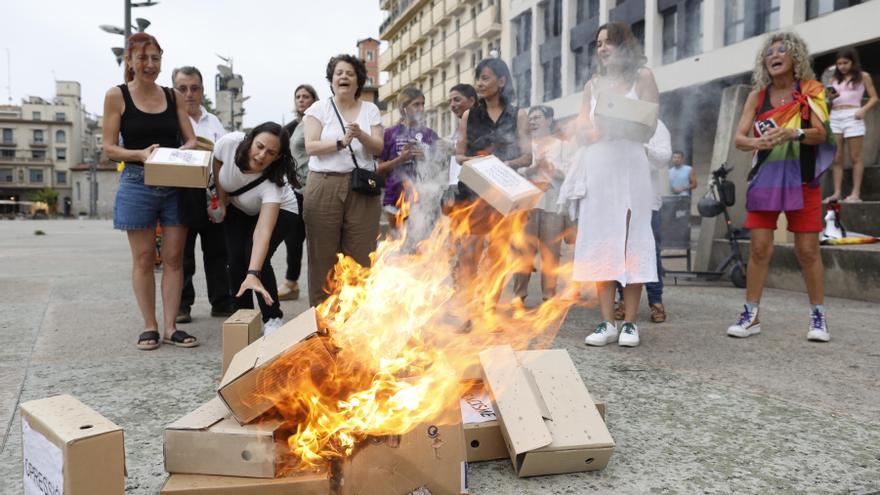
339 220
258 209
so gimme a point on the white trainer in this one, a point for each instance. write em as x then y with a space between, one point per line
605 333
629 335
818 327
747 325
272 325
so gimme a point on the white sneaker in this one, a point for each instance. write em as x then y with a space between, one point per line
747 325
818 327
272 325
603 334
629 335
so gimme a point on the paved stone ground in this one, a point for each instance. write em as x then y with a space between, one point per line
691 410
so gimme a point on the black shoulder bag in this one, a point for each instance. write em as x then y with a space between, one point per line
362 180
247 187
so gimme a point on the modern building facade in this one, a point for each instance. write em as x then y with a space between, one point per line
434 45
40 141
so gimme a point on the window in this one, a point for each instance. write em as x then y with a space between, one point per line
587 9
7 136
369 55
682 30
746 18
553 19
78 191
61 153
60 116
60 137
669 28
583 64
523 28
552 79
693 28
36 116
815 8
10 154
61 177
38 136
36 175
6 175
38 154
638 30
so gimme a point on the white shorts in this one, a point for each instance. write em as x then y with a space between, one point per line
843 121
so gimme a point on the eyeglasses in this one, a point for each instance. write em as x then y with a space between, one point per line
195 88
781 50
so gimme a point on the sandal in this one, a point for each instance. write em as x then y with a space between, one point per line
150 335
179 338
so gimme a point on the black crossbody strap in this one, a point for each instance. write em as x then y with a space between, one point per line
342 125
250 185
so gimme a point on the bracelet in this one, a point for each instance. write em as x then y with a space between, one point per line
255 273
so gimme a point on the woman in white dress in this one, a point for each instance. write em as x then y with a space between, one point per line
610 191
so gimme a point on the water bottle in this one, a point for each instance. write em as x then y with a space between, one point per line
214 211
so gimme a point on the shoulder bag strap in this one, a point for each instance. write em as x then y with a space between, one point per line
342 125
250 185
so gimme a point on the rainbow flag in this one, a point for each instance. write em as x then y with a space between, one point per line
776 185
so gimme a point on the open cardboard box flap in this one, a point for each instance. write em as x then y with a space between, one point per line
548 419
301 484
240 382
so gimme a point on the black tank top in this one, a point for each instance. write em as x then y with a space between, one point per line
141 129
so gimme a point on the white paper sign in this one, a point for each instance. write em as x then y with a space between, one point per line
175 156
476 407
43 463
504 177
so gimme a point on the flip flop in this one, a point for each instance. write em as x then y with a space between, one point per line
146 337
179 337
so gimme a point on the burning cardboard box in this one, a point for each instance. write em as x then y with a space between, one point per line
239 331
248 378
69 448
499 185
209 441
620 117
172 167
548 420
299 484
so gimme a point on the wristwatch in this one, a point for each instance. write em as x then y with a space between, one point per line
339 145
255 273
801 135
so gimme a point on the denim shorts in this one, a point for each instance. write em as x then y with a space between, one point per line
139 206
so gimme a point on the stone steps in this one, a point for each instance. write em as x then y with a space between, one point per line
870 183
863 217
850 271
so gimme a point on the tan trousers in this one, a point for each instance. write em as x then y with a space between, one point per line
547 228
337 220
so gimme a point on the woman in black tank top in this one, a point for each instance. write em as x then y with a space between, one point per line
148 116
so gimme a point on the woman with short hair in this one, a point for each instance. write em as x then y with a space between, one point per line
338 131
785 125
258 209
148 116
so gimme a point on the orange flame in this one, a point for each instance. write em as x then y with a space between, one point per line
401 334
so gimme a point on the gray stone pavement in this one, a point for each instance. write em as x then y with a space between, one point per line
691 410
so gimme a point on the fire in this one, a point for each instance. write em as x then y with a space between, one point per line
400 335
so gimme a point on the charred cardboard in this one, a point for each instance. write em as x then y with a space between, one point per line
240 330
240 387
67 447
620 117
482 430
172 167
549 422
499 185
209 441
431 456
298 484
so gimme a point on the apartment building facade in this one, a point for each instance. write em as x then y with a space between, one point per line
434 45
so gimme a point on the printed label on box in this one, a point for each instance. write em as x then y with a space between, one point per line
476 407
504 177
43 463
178 157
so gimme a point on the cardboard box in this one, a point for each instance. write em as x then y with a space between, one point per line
620 117
482 430
431 456
298 484
209 441
248 373
204 144
549 422
173 167
240 330
499 185
69 448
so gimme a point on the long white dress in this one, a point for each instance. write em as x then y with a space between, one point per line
608 179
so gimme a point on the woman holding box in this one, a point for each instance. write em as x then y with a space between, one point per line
148 116
609 188
259 209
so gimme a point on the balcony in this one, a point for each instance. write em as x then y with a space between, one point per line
437 95
386 120
467 36
450 82
437 57
38 143
425 65
385 58
414 71
450 45
8 143
439 10
453 6
396 82
427 23
415 32
489 22
386 90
